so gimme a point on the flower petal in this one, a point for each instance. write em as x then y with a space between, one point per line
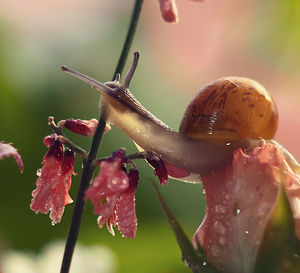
159 169
45 186
169 11
54 181
82 127
8 150
61 197
175 171
125 210
112 194
240 199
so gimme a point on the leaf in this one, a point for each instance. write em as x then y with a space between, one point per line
280 248
193 258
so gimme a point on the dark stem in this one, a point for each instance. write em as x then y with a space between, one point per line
138 155
129 38
88 169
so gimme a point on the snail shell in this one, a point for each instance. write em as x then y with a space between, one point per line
231 108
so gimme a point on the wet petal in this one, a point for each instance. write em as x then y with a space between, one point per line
48 179
125 210
169 10
159 169
82 127
54 181
175 171
49 139
8 150
240 199
112 194
61 197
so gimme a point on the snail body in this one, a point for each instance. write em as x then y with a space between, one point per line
191 152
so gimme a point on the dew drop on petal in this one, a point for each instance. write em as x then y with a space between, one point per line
220 209
227 196
237 211
222 241
219 228
115 180
215 250
263 209
246 232
38 172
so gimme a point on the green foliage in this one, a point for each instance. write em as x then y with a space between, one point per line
277 31
193 258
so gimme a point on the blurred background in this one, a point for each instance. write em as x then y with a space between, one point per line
256 39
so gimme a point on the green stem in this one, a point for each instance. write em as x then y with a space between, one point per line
88 169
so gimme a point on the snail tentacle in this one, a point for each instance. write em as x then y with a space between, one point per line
131 71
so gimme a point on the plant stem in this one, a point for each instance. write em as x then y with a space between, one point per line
88 169
129 38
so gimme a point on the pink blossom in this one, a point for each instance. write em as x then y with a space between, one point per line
61 197
54 181
82 127
113 195
160 169
168 10
240 199
8 150
175 171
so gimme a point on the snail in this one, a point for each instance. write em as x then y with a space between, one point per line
224 115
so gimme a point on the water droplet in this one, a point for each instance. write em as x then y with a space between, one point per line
228 143
204 263
215 250
238 211
39 172
222 240
263 209
246 232
227 196
219 228
220 209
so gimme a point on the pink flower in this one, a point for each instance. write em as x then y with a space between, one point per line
240 199
113 195
160 169
168 10
8 150
82 127
53 184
